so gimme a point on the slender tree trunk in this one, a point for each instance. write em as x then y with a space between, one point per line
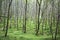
8 18
56 29
36 18
38 25
17 13
4 20
51 31
52 15
4 24
24 25
57 24
42 22
17 19
10 24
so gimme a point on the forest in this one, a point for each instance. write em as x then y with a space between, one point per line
29 19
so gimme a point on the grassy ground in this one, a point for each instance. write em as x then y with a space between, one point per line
14 34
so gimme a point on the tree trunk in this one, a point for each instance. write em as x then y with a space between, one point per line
8 18
24 24
57 24
37 31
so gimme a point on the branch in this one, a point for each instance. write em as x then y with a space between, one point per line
37 1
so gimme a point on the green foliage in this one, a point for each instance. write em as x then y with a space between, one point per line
14 34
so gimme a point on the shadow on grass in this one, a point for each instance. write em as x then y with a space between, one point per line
58 38
24 38
7 38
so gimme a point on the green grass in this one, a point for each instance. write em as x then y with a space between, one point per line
14 34
21 36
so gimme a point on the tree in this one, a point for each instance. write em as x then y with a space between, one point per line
17 13
52 15
8 17
38 25
24 17
43 8
4 14
0 9
57 24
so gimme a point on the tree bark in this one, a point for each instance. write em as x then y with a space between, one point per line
39 4
57 24
24 24
8 18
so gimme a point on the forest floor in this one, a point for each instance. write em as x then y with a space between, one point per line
14 34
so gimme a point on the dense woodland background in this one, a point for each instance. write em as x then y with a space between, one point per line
29 19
